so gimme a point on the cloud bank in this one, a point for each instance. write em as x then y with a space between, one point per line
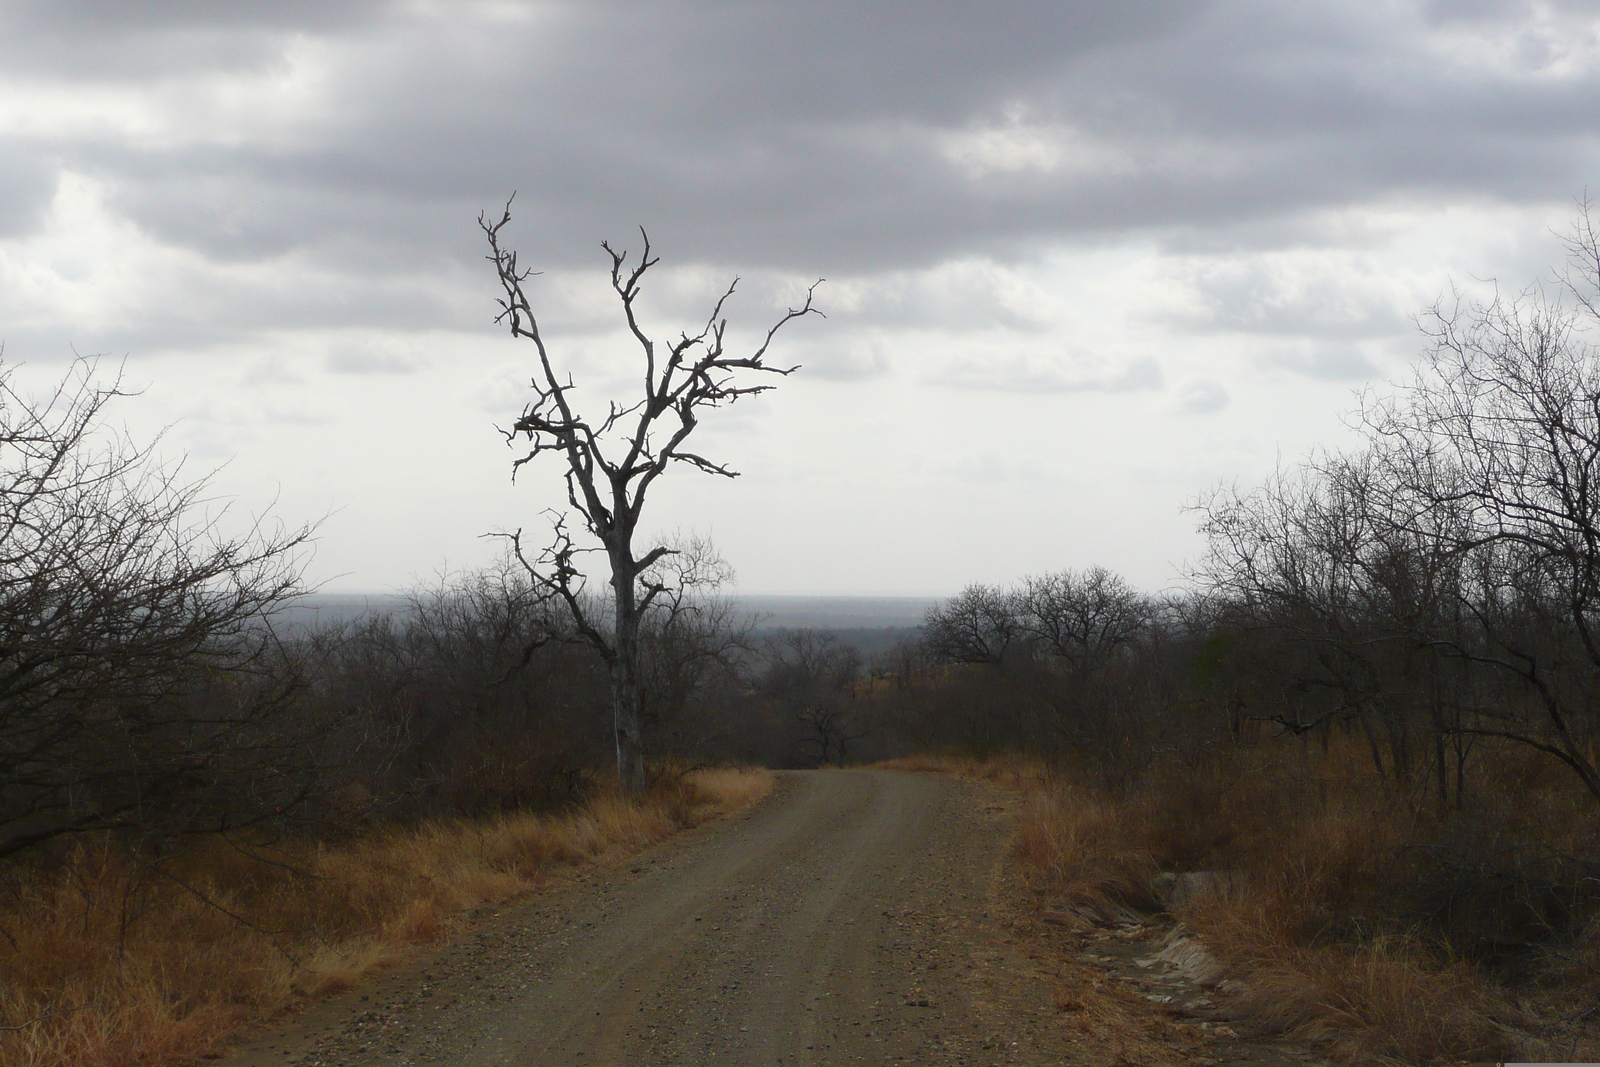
1182 204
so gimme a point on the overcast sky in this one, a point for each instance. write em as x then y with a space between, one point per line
1083 259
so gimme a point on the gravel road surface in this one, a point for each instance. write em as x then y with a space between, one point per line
845 919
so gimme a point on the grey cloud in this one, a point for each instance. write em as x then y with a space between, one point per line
119 18
1266 297
270 371
1201 398
984 469
295 416
100 40
812 138
1445 11
369 362
1327 361
1021 374
249 204
843 60
844 360
963 297
207 314
27 184
204 313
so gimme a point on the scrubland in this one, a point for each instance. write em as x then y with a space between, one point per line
111 955
1346 910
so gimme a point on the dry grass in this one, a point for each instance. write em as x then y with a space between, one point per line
1333 918
1390 997
1077 853
113 960
1008 769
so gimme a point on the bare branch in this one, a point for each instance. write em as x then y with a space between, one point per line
692 375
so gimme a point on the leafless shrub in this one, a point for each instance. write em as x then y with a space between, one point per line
810 677
141 685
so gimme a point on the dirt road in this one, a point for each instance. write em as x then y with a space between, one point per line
845 919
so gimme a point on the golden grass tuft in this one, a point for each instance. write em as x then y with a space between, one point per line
110 960
1389 997
1077 853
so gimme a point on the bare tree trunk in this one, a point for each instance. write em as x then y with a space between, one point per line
1372 745
625 721
625 682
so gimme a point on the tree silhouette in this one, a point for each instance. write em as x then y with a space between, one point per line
613 461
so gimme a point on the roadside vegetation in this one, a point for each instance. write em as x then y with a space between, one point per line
1349 913
1356 754
117 957
1363 738
209 814
1335 908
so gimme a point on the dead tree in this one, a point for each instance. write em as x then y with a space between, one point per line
613 460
